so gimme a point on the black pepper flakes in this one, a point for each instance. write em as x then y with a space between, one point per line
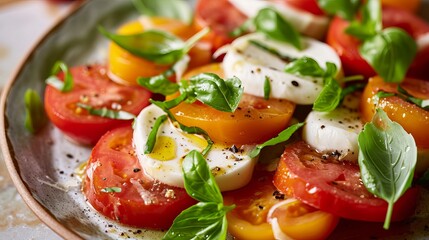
278 195
295 83
136 170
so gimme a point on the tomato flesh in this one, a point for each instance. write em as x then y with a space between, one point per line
335 187
310 6
142 202
94 88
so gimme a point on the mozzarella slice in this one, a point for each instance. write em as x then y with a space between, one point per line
336 133
232 167
305 22
252 65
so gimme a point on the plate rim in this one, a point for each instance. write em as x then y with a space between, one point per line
35 206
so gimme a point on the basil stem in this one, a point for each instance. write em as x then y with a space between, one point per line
273 25
175 9
281 137
350 89
35 116
107 113
387 159
111 190
151 140
419 102
54 81
273 51
346 9
209 213
267 88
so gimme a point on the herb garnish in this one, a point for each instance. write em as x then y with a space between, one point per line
107 113
269 22
271 50
267 88
281 137
402 93
35 116
111 190
206 219
54 81
177 9
155 45
389 51
387 159
150 144
344 8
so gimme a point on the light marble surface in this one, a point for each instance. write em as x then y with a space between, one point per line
22 23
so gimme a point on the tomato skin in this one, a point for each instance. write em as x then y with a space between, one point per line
412 118
248 220
222 18
113 164
91 83
335 187
409 5
310 6
255 120
347 47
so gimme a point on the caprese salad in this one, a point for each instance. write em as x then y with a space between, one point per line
262 119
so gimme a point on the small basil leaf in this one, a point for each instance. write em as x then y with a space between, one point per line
205 220
423 103
153 45
305 66
54 81
390 53
107 113
111 190
282 137
371 22
329 97
151 140
158 84
267 88
35 116
199 181
346 9
210 89
272 24
272 50
175 9
387 159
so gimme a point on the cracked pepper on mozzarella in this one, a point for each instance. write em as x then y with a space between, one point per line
253 65
336 132
306 23
232 167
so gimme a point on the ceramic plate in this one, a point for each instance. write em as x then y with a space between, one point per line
43 166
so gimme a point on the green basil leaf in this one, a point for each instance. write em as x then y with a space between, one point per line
346 9
272 50
242 29
267 88
272 24
390 53
387 159
204 220
159 84
423 103
153 45
151 140
381 94
329 98
371 22
54 81
305 66
210 89
111 190
281 137
199 181
107 113
175 9
35 116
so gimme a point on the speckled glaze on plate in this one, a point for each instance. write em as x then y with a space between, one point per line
43 166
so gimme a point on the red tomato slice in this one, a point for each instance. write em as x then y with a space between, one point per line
347 46
335 187
221 17
310 6
142 202
94 88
